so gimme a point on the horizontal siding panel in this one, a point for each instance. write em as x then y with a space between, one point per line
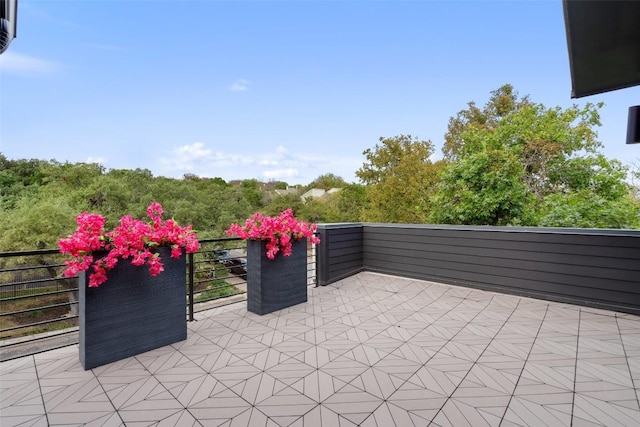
344 247
474 241
622 240
346 237
526 266
569 257
344 270
338 268
343 250
519 285
345 256
455 269
627 305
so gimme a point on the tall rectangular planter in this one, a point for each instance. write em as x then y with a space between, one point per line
132 312
274 284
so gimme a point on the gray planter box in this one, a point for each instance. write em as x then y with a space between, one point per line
132 312
274 284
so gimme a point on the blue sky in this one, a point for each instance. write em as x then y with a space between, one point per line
285 90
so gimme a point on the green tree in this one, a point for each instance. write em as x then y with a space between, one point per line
27 172
319 210
327 182
282 202
72 174
36 222
351 203
400 180
19 177
252 192
483 188
594 194
517 164
503 101
586 209
281 185
40 199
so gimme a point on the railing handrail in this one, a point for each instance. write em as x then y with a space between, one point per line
29 253
50 251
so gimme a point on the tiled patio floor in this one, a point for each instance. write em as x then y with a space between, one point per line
370 350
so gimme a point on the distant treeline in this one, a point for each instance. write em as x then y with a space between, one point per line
40 199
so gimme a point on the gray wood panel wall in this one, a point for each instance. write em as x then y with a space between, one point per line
340 252
598 268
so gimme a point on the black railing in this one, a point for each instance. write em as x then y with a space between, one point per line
37 301
216 271
34 296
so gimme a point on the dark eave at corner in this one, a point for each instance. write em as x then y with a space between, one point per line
603 38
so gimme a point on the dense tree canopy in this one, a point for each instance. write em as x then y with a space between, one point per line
518 162
502 102
400 179
40 200
327 182
485 188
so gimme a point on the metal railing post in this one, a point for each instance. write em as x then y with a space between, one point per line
191 280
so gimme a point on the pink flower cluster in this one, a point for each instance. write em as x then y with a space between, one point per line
279 231
133 239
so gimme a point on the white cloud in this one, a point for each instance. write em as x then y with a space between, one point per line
193 151
240 85
196 158
278 163
11 61
280 173
91 159
187 157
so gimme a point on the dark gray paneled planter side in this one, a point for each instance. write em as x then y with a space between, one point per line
274 284
591 267
132 312
340 251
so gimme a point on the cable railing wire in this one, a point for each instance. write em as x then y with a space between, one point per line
36 300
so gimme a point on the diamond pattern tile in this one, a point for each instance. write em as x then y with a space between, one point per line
371 350
523 412
353 403
20 397
219 408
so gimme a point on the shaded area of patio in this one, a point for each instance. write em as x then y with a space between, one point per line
370 350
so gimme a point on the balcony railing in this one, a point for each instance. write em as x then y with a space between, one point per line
38 303
597 268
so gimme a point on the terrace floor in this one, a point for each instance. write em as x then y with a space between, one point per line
370 350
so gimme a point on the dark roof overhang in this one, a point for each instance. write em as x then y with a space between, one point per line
8 22
603 37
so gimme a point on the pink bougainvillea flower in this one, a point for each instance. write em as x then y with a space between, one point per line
176 251
131 239
279 232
